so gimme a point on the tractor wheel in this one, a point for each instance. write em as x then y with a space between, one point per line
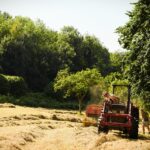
103 129
99 129
133 133
125 131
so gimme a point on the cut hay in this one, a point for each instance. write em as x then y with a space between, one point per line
89 122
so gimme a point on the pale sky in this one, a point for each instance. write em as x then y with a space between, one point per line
95 17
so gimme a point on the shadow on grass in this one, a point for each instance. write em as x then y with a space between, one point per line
144 137
125 136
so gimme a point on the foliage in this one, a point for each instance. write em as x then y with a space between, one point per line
35 52
17 85
4 85
7 99
111 78
31 50
72 37
13 85
95 54
146 100
121 82
77 84
96 92
38 100
116 59
25 50
121 91
118 79
134 36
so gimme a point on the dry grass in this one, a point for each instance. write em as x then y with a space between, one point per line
7 105
23 128
89 122
114 141
105 138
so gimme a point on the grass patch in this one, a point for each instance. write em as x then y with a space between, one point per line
40 100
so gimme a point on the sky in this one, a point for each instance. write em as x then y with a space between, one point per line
94 17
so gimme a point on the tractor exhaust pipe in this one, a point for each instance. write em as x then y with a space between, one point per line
129 100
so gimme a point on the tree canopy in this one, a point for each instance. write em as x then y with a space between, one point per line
135 37
35 52
116 59
77 84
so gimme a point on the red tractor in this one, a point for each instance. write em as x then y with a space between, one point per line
120 117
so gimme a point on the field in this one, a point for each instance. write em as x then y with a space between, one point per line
24 128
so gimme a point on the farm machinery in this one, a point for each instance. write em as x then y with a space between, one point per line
116 116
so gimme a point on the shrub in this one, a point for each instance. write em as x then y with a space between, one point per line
4 85
42 100
18 86
7 99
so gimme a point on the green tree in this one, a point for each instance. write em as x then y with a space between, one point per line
117 61
95 55
76 84
27 49
72 36
88 51
35 52
134 36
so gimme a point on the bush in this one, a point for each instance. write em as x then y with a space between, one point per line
42 100
18 86
4 85
7 99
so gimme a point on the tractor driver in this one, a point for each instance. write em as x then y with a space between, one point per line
111 99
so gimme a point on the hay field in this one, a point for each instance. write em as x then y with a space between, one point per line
24 128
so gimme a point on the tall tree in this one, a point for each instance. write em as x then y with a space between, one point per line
88 51
95 54
72 36
135 37
117 61
32 50
26 48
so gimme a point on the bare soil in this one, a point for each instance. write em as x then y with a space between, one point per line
24 128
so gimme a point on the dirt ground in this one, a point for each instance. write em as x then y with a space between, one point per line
24 128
